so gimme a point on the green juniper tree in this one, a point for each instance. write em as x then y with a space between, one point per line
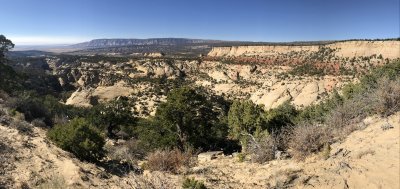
245 119
189 117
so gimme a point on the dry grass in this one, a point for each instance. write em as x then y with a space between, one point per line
364 153
54 182
169 160
6 164
22 127
155 181
284 178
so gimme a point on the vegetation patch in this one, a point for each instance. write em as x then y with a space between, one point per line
79 137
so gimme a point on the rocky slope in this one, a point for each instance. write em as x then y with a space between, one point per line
367 158
267 75
261 83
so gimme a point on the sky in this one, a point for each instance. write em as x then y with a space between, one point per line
40 22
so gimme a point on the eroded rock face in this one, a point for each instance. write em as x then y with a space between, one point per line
259 83
388 49
301 92
154 55
268 82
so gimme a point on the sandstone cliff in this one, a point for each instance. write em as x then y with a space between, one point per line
388 49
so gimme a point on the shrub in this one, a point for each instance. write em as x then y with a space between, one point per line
263 150
113 115
4 118
17 115
191 183
280 117
308 139
387 96
349 113
80 138
153 181
128 152
38 123
190 119
384 100
151 136
351 89
6 164
319 112
60 119
54 182
241 157
22 127
245 118
32 107
326 151
169 160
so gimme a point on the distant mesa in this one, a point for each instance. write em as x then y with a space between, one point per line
101 43
387 48
154 55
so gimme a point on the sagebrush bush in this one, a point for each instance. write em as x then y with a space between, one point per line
169 160
80 138
344 117
6 164
22 126
128 152
387 96
192 183
54 182
384 99
307 139
262 150
155 181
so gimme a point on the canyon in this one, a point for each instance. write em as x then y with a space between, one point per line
269 82
267 75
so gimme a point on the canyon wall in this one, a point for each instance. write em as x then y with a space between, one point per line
388 49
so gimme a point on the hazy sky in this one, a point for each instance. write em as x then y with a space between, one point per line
72 21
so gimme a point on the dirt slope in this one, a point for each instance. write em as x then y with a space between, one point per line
38 163
368 158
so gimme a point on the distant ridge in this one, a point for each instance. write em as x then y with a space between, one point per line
119 42
101 43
